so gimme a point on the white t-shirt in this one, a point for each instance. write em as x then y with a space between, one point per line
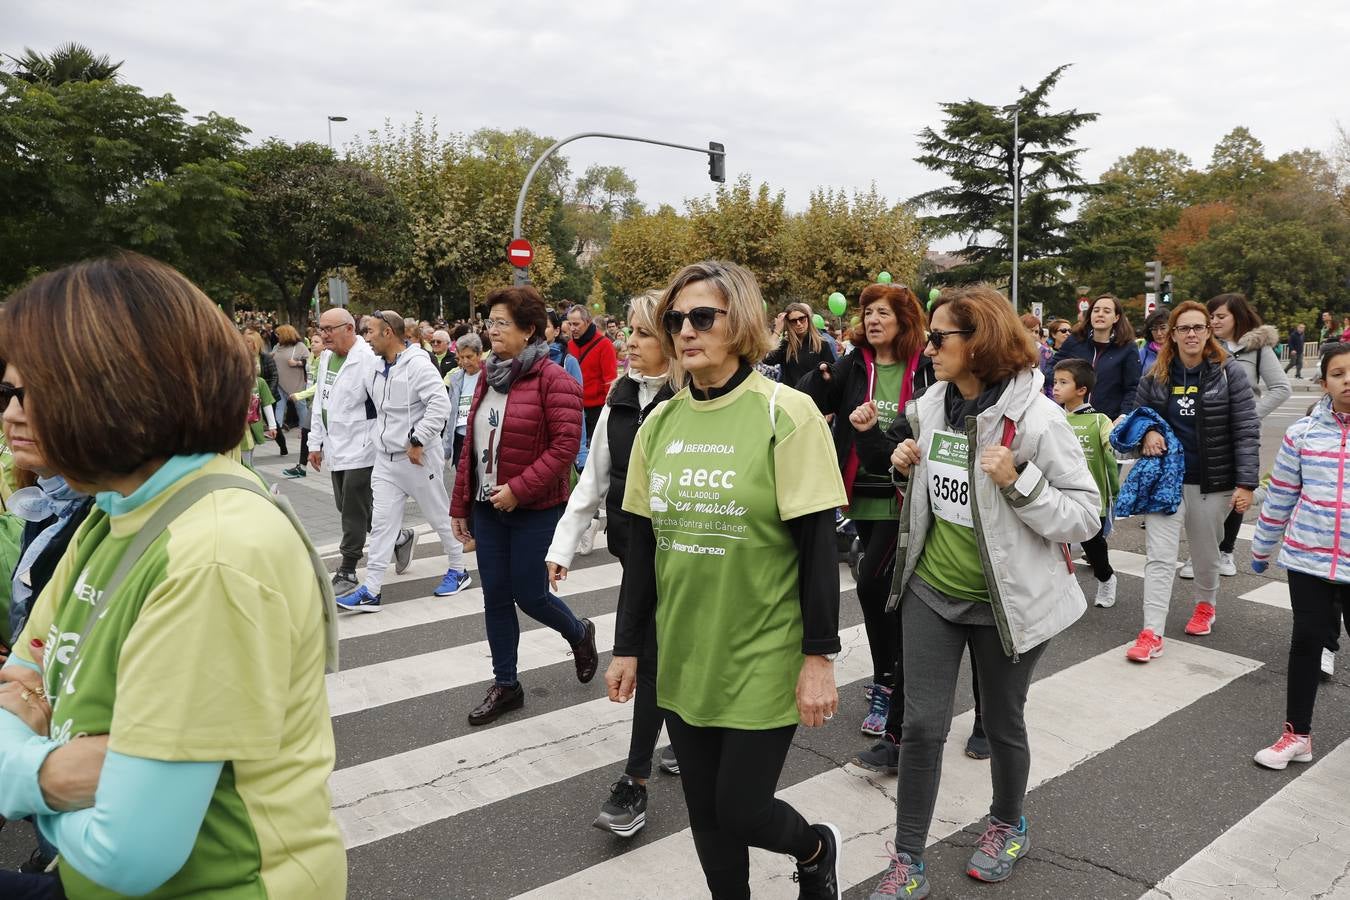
466 390
487 426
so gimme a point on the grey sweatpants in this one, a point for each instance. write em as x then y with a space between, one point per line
351 493
1202 516
932 659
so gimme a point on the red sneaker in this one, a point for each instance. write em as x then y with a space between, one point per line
1147 646
1202 620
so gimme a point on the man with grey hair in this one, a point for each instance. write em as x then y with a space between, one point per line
598 360
441 353
460 384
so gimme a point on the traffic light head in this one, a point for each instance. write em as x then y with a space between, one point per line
1165 290
1152 276
717 162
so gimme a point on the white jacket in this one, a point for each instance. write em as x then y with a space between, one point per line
1019 529
347 441
410 399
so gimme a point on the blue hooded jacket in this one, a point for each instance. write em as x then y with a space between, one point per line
1153 484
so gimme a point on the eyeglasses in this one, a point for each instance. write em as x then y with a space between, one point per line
701 317
329 329
10 392
794 320
1191 329
1063 330
937 336
499 324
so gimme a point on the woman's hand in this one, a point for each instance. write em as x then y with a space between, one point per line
460 527
270 434
1242 499
997 463
905 456
29 703
864 417
778 322
503 499
817 697
620 678
556 573
825 371
70 773
1154 444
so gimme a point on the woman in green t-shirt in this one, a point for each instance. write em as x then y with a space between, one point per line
996 484
733 529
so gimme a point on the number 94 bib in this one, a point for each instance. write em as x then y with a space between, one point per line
949 477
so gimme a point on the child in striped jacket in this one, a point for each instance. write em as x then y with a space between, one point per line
1306 504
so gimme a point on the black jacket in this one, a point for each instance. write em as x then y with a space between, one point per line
269 375
1228 429
1117 371
842 394
793 370
625 416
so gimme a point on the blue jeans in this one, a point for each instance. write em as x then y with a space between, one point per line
511 548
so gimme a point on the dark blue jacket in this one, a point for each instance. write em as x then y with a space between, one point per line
1117 371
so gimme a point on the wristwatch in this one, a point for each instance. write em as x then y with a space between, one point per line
413 441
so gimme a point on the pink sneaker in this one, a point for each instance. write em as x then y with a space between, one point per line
1289 748
1147 646
1202 620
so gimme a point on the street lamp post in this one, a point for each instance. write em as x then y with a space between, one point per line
331 120
1017 197
716 171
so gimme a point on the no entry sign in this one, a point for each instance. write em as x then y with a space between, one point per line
519 253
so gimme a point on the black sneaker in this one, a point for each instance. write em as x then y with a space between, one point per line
500 699
344 582
819 880
294 472
667 761
37 863
977 747
403 550
883 757
625 812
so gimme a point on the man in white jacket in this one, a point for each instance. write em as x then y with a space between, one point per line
411 412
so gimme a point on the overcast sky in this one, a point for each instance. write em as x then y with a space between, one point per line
803 94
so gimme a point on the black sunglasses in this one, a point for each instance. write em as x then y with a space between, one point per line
701 317
1063 330
9 392
937 335
795 319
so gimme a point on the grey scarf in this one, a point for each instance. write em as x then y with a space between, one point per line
502 373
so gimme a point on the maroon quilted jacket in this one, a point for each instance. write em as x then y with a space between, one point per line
540 437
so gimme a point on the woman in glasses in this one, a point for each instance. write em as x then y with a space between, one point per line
1206 399
1105 339
733 532
521 438
802 348
1059 331
1155 335
996 484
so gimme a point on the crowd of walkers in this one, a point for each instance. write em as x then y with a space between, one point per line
973 451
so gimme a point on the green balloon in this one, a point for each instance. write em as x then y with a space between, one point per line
884 278
818 321
933 295
838 303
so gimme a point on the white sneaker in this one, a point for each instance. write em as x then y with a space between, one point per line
1328 662
1289 748
1186 570
1106 593
587 542
1226 564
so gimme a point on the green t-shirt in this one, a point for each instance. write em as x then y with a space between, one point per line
1093 431
334 364
213 650
886 395
719 482
951 557
256 432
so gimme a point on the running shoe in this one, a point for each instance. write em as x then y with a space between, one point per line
455 580
998 850
904 879
297 471
883 757
1106 593
1226 564
875 723
344 582
1202 620
403 550
667 761
977 745
1146 647
625 812
1187 570
360 600
819 879
1328 663
1289 748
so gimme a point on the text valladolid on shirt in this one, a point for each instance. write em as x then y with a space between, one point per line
719 480
212 650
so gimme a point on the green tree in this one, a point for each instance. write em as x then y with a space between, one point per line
974 149
644 251
743 225
68 62
1238 167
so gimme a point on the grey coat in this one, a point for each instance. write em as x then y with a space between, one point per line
1255 351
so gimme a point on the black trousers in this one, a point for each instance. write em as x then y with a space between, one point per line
729 777
874 587
1231 525
1319 608
591 415
647 716
1095 551
351 494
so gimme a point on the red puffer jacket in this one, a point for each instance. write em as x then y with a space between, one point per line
599 365
540 436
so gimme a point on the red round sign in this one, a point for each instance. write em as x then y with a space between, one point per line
519 253
1084 305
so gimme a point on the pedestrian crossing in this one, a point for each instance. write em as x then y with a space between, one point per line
517 797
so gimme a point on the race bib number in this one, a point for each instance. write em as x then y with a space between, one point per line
948 478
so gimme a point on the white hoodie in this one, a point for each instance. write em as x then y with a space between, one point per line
410 399
347 441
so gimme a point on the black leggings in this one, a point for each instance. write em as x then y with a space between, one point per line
1231 525
1095 550
729 777
874 587
1319 608
647 716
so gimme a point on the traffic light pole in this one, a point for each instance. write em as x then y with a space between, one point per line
716 170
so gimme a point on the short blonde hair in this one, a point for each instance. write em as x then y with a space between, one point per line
643 312
748 333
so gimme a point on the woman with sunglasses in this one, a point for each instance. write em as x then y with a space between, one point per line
733 530
1204 396
996 483
1105 339
802 349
